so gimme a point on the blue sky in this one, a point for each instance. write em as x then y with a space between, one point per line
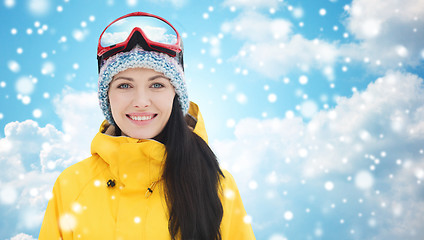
315 107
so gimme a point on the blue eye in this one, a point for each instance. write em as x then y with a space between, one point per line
157 85
124 85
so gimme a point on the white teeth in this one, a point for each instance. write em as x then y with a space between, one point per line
141 118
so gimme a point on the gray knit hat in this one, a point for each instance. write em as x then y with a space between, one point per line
138 58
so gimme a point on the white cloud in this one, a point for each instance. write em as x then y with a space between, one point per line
384 39
29 136
390 35
274 50
32 157
81 117
22 236
253 4
275 59
404 204
264 28
24 178
354 146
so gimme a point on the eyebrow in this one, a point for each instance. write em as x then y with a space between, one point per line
124 78
158 76
149 79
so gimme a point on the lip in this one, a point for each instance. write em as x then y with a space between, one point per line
141 122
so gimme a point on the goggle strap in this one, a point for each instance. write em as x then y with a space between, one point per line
106 55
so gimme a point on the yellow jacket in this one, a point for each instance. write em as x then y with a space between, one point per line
84 207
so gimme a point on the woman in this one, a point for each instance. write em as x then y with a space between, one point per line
151 174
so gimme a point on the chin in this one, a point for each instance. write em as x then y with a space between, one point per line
142 135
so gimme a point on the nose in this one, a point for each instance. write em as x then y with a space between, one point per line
141 99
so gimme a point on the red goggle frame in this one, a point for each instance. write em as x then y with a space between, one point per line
146 30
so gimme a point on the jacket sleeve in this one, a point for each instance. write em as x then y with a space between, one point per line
235 222
50 228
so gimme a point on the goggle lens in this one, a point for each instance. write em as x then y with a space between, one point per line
154 29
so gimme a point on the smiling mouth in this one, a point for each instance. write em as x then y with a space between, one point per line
142 118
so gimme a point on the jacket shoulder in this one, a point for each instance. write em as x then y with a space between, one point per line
83 169
74 178
227 181
235 222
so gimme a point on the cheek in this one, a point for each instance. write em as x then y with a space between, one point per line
164 101
169 103
115 101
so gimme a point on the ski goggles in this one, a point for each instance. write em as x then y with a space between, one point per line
150 32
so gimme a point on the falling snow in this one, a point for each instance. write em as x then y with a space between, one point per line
241 98
78 35
308 109
288 215
364 180
316 111
24 85
8 195
272 98
14 66
247 219
329 186
67 222
39 7
303 79
9 3
37 113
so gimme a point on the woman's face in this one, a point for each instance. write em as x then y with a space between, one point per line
141 102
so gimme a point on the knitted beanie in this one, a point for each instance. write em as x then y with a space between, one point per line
138 58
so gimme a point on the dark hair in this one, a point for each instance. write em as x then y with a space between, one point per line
191 178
